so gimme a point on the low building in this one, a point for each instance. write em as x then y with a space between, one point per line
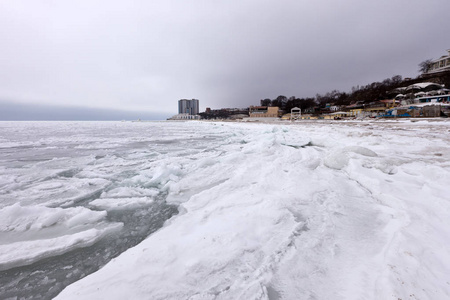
338 115
185 117
356 112
309 117
389 103
286 117
264 112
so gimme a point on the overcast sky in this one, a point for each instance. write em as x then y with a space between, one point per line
146 55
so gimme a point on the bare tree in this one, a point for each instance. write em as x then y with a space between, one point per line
425 66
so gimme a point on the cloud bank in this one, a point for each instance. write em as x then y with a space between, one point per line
146 55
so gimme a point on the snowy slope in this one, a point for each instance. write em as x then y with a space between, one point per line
304 211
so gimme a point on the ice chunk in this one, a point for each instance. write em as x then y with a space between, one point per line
360 150
27 252
339 158
30 233
121 203
336 160
17 218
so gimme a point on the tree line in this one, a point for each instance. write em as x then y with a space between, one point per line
368 93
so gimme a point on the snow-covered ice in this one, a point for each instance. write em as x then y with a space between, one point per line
311 210
71 199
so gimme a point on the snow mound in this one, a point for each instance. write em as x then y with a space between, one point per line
336 159
339 158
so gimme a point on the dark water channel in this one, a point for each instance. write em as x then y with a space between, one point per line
34 153
48 277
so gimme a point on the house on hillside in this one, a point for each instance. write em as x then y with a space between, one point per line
334 108
422 92
376 108
355 109
338 115
441 64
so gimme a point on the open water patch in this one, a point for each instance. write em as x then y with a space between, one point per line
59 176
46 278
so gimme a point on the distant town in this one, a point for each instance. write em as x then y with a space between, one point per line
425 96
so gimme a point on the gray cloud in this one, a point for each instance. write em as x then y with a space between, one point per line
145 55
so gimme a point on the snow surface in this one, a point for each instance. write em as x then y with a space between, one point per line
314 210
310 210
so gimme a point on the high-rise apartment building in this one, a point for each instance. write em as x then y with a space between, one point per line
186 106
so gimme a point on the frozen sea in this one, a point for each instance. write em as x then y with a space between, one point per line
210 210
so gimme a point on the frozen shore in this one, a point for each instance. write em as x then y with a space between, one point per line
349 211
